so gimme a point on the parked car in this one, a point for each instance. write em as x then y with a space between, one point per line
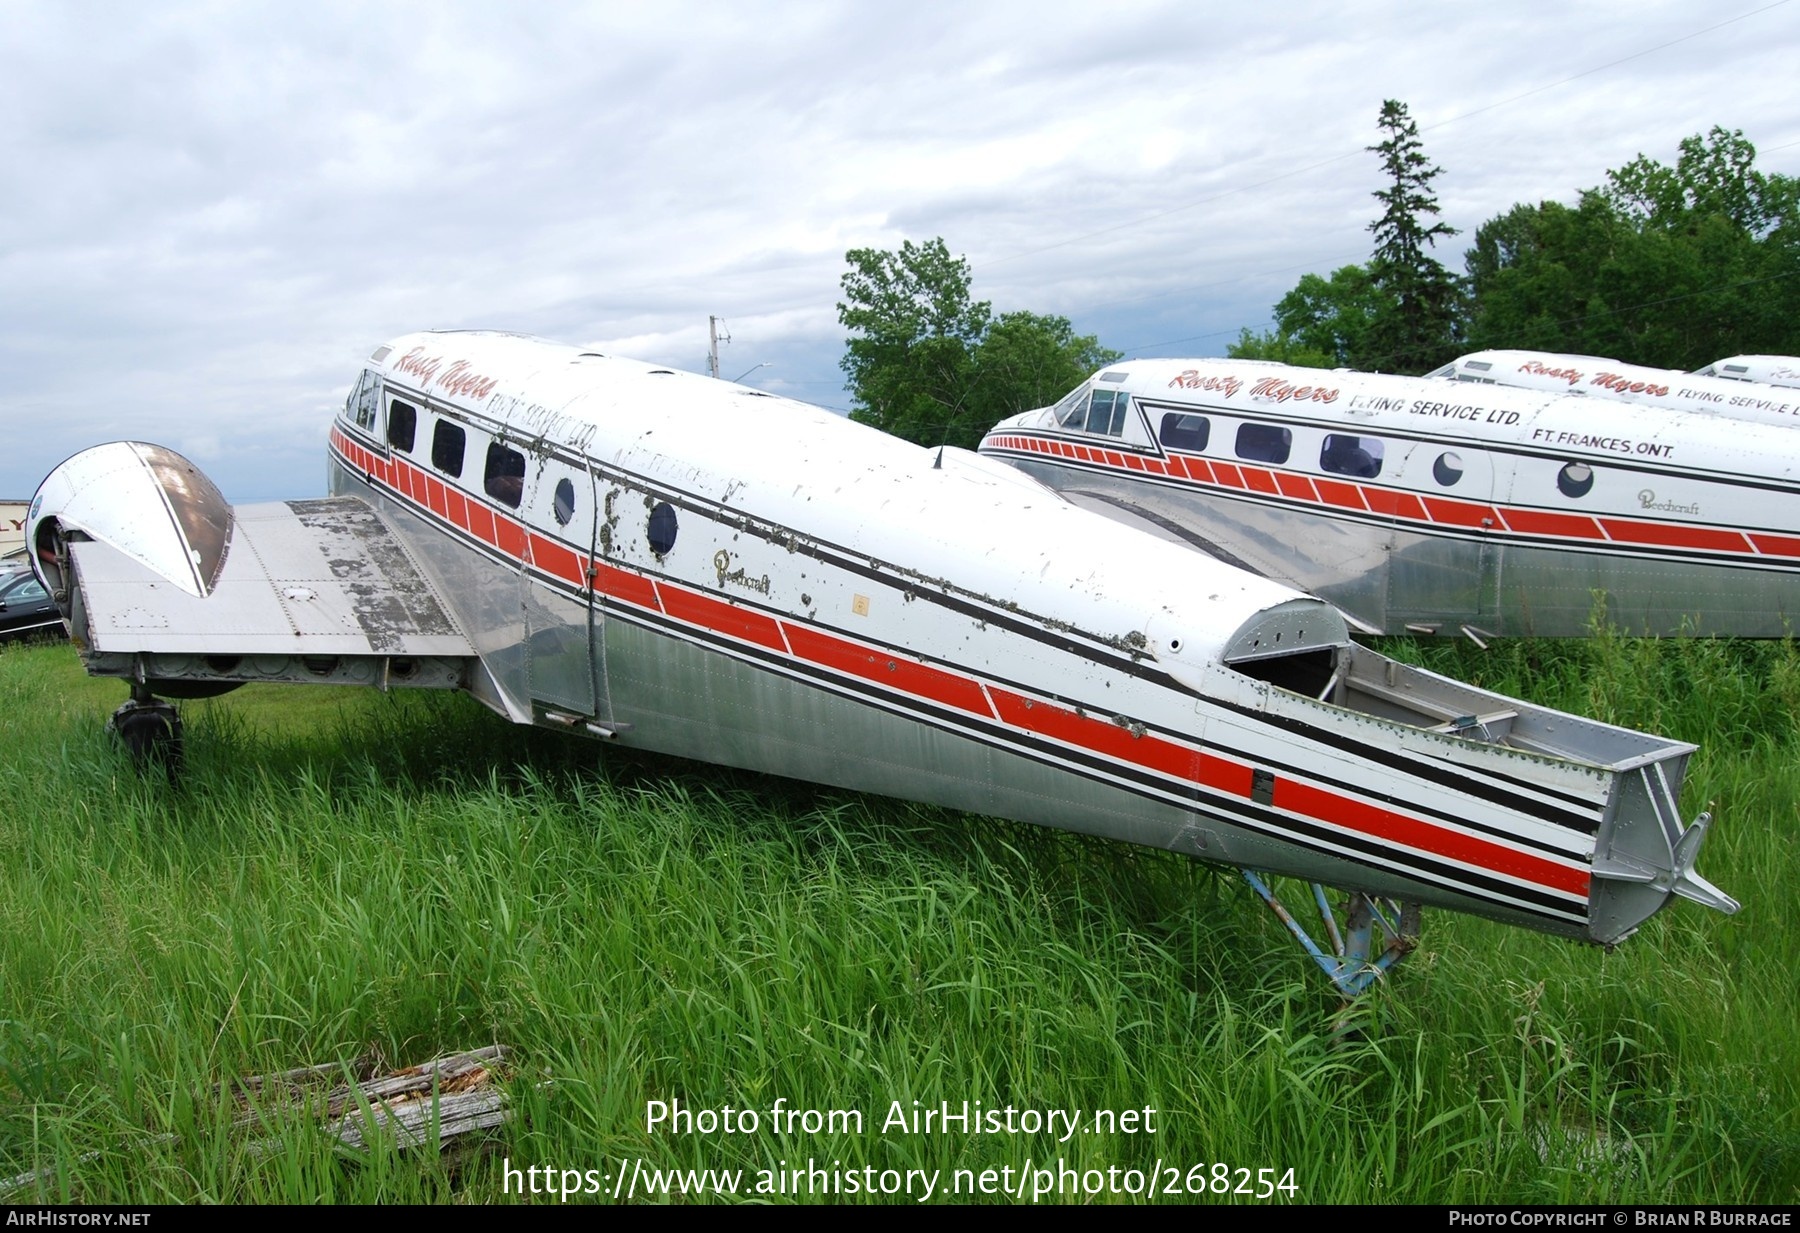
26 609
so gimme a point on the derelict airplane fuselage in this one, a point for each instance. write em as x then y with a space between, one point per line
1781 370
1421 505
1704 393
696 568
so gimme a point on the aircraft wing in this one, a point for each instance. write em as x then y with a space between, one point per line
324 577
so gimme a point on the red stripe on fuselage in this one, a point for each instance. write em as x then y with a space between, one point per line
1103 736
719 616
1441 511
1294 485
554 559
622 584
1546 522
887 668
1458 513
1379 823
1674 535
1775 545
1345 496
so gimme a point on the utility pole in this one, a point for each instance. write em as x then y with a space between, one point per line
712 351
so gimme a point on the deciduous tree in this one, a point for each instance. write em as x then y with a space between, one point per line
914 330
1334 317
1672 266
929 363
1026 361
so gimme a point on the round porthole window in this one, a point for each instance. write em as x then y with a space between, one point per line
661 531
1447 469
1575 479
564 504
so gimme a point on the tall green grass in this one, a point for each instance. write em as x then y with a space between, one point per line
347 874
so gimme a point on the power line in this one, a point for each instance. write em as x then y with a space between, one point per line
1338 158
1170 342
1636 55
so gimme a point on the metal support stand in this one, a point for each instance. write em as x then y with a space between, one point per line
1351 963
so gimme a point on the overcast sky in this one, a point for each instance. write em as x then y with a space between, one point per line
214 212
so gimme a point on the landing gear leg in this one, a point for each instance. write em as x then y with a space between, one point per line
151 730
1349 959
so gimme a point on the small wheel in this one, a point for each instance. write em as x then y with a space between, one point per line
151 733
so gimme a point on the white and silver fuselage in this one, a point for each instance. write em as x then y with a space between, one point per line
1704 393
1422 505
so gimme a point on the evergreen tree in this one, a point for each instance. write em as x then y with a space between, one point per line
1417 328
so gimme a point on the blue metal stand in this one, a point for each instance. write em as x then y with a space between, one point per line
1351 963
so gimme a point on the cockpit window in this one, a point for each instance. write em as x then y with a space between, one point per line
1106 412
366 398
1072 410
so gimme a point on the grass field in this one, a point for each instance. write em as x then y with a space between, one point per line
344 874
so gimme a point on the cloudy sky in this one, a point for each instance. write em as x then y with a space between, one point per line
214 212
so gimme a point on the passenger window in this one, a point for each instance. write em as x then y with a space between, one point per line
1575 479
661 529
564 505
505 478
1264 442
1354 456
1185 432
1106 412
403 425
1447 469
447 443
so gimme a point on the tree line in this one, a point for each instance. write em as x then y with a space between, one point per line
1670 266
